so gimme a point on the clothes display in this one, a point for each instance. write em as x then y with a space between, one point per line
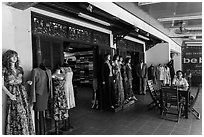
60 105
160 72
142 72
119 91
167 78
108 93
152 74
68 86
41 89
170 64
125 81
130 78
19 119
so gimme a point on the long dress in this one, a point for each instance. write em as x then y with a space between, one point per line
119 90
60 100
18 119
69 91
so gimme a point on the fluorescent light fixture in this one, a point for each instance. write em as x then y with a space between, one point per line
181 18
193 42
94 19
143 37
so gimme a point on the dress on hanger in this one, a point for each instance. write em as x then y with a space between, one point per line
19 119
69 90
60 100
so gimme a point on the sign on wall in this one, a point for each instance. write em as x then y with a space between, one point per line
192 60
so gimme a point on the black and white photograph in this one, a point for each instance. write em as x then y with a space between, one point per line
101 68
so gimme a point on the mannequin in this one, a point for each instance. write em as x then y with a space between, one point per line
119 91
41 89
170 64
69 92
107 78
129 79
12 85
141 71
59 98
152 73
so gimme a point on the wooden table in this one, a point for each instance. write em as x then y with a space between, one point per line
183 93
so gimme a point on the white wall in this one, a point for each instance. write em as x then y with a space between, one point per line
159 54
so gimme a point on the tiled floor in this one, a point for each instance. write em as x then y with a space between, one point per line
135 120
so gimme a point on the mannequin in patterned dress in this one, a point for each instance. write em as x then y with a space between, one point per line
18 117
60 100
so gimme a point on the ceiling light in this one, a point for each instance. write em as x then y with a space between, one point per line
143 37
193 42
94 19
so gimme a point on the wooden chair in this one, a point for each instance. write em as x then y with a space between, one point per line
154 95
192 103
171 103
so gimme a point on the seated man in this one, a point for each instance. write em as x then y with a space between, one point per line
180 81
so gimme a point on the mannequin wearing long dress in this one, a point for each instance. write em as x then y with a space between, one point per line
60 100
18 118
69 92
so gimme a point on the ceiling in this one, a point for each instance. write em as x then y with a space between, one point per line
184 18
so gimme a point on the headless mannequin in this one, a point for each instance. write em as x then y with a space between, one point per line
59 76
40 120
66 123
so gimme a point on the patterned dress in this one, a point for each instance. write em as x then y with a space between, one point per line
60 100
19 119
119 90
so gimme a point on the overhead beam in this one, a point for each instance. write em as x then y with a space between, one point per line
180 18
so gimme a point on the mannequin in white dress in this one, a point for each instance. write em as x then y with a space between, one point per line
69 92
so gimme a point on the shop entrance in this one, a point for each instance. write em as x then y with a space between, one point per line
81 58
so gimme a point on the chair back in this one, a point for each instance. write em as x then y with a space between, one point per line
170 96
196 96
152 91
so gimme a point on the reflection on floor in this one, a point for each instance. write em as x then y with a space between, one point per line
135 120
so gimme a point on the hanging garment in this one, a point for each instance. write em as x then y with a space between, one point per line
41 88
69 90
152 73
18 118
167 77
60 105
160 73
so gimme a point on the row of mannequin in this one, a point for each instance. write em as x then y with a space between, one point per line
53 97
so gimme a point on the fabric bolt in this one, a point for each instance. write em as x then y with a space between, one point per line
18 119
